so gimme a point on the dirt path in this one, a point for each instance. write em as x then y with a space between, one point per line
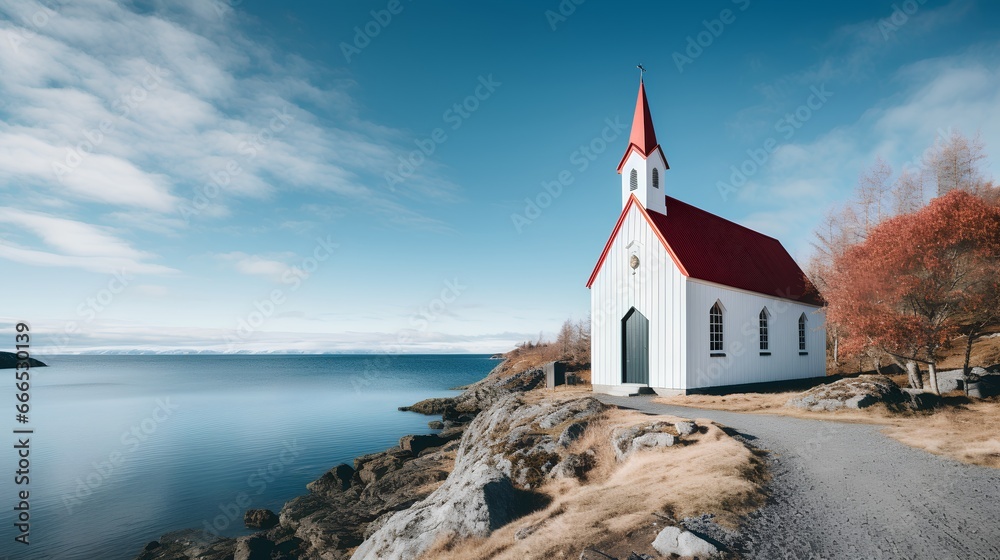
845 491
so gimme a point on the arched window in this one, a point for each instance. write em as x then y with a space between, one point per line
633 182
656 178
763 330
802 332
715 328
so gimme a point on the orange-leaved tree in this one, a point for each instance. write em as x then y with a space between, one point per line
918 280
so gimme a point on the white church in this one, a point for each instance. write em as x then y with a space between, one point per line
685 301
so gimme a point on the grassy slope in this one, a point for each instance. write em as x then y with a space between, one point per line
620 507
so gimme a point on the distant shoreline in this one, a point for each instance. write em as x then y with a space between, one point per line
8 360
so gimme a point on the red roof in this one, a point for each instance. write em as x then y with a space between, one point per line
643 137
710 248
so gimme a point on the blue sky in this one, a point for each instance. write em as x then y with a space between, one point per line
229 176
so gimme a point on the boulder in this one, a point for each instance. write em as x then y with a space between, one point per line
336 479
575 465
685 428
572 433
260 518
674 540
852 393
254 547
920 399
369 468
435 425
627 441
417 443
504 453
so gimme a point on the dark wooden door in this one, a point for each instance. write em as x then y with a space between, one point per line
635 348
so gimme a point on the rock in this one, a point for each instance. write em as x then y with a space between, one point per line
626 441
504 453
370 468
685 428
572 433
674 540
151 546
430 406
253 547
637 556
435 425
575 465
417 443
920 399
336 479
852 393
260 519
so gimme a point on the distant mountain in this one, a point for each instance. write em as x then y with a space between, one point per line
8 360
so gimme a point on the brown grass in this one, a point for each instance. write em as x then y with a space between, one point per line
712 473
967 432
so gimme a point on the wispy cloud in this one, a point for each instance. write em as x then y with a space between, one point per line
166 116
74 244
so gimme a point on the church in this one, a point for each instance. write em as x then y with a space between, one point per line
684 301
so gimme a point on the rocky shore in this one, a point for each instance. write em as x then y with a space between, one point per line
349 503
531 469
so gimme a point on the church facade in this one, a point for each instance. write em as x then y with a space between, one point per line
683 300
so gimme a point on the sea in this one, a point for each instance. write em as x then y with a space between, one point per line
126 448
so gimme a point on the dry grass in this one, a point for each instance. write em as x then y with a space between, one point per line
523 359
713 473
968 432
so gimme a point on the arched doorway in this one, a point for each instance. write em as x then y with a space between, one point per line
635 348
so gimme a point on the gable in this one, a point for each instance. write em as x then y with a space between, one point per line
711 248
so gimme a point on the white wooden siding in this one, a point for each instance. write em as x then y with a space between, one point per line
743 362
656 290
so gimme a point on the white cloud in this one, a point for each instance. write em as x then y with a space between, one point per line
271 267
72 244
805 178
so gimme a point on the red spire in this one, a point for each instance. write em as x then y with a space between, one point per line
643 137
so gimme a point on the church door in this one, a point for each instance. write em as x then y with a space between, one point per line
635 348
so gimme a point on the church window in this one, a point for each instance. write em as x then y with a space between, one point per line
715 328
763 330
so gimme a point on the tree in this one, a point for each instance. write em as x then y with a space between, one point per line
955 164
917 280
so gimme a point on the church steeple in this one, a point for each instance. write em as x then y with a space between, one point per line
643 164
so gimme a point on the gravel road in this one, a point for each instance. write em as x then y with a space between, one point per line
846 491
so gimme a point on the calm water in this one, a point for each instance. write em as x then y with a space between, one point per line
127 448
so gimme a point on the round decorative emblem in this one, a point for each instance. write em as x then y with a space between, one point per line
634 262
